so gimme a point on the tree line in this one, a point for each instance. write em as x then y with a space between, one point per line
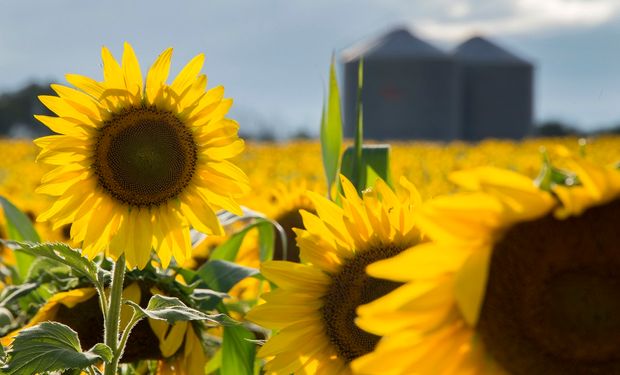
17 110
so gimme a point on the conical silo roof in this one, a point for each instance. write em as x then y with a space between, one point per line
479 49
398 43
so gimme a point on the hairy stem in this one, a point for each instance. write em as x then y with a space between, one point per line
114 315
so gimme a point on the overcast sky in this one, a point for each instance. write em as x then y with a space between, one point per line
272 55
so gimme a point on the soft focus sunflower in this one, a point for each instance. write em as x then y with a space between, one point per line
138 161
177 347
313 309
517 282
283 206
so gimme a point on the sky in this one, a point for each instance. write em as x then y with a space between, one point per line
272 56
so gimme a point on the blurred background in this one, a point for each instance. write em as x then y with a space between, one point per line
272 57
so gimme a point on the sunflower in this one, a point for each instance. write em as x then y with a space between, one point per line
518 281
179 348
138 161
313 309
284 205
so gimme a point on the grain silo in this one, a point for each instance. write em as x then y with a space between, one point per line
411 89
496 89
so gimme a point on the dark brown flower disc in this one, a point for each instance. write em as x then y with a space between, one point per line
552 304
350 288
144 156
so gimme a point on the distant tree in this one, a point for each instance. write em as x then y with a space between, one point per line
554 129
302 134
17 109
611 130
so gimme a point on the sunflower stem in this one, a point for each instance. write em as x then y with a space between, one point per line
125 335
112 322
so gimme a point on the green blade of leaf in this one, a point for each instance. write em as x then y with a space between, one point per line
266 234
221 275
375 163
229 249
172 309
2 353
61 253
19 228
331 129
237 352
214 363
103 351
11 293
6 317
49 346
358 164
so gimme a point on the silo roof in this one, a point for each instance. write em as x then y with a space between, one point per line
479 49
398 43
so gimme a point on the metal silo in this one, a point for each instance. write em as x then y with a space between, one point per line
496 91
411 89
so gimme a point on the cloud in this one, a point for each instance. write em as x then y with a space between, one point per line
465 17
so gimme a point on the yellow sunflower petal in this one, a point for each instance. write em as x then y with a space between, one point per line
157 75
131 70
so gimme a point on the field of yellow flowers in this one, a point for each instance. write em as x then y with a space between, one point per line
295 166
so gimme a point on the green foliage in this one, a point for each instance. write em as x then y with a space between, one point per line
229 249
357 167
6 317
11 293
238 351
222 275
51 346
375 163
19 228
63 254
331 129
172 309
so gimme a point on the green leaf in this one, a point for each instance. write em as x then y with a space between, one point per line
238 352
19 228
49 346
12 292
331 129
215 363
229 249
266 235
63 254
103 351
172 309
358 165
6 317
375 164
221 275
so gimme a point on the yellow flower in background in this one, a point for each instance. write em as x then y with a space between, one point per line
139 161
313 309
517 282
282 204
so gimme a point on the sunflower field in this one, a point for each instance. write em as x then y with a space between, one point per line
145 237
